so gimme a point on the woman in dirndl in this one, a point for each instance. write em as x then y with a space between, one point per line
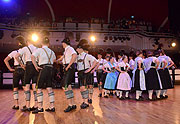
165 64
124 80
111 78
153 81
138 80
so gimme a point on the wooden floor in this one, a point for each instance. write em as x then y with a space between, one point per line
102 111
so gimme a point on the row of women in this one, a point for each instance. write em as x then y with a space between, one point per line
142 74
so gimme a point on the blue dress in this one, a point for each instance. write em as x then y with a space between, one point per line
111 78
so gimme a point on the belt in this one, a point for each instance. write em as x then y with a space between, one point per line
17 66
29 63
46 65
82 70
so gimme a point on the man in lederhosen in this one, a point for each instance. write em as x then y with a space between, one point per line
68 59
30 74
46 59
84 72
90 75
18 71
99 72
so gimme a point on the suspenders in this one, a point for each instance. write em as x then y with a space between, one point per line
49 57
80 60
29 50
21 59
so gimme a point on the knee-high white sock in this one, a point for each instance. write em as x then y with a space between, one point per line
140 93
105 92
127 94
120 95
150 93
117 93
158 93
165 92
137 94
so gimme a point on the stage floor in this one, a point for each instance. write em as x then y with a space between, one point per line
102 111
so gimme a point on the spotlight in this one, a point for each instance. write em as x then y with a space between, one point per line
35 37
6 1
132 17
93 38
173 44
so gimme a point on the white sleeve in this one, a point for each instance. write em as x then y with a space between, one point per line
22 51
91 58
72 51
12 54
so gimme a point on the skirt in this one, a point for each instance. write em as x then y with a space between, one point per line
124 82
152 80
130 74
165 79
110 82
139 82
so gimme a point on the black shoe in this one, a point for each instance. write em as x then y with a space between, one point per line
121 98
84 105
141 98
90 101
15 107
127 97
106 96
24 106
100 95
161 96
33 108
25 109
36 111
50 110
68 109
150 99
166 96
74 107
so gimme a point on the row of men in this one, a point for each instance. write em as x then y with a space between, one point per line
36 65
150 74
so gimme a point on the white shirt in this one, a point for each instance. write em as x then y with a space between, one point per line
84 61
124 65
120 60
42 56
13 54
69 51
107 66
25 51
131 64
94 58
100 61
